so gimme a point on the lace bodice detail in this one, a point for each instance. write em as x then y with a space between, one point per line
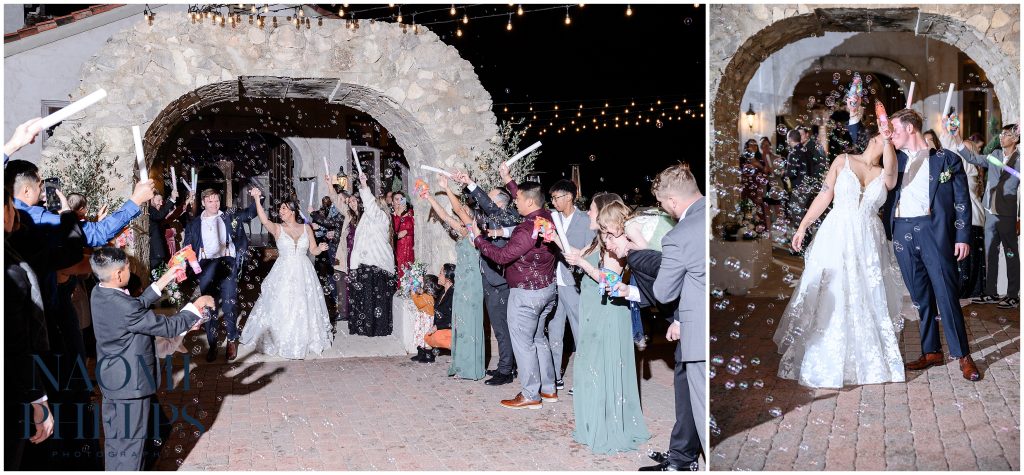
854 199
288 247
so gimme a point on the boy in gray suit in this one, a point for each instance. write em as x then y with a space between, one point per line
683 277
126 367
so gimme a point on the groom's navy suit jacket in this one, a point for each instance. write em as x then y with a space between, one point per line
950 202
233 222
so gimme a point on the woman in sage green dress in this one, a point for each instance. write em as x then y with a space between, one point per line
606 398
468 303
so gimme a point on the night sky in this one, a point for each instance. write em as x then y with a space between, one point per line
602 56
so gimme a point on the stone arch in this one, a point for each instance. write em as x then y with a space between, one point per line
415 85
863 64
744 35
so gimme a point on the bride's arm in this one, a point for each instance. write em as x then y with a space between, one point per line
314 248
819 204
271 226
889 163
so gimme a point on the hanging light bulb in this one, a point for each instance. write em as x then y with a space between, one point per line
399 15
458 32
301 13
253 9
629 10
415 28
567 19
452 11
520 10
508 27
266 8
465 18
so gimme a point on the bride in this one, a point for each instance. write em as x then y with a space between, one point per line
841 325
290 317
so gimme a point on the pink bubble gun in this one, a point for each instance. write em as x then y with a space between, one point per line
995 161
544 229
186 254
883 117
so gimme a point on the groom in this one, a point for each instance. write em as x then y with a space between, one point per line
220 242
928 217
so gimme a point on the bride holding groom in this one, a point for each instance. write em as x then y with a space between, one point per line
842 324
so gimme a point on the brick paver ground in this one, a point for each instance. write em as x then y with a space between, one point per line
934 421
387 413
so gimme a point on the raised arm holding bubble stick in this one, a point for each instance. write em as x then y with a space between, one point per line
1002 214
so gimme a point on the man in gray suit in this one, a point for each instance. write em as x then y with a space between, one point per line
1002 215
682 277
126 366
574 225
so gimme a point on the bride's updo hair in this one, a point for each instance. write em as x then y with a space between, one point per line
292 205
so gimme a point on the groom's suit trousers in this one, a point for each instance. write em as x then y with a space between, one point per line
931 277
220 274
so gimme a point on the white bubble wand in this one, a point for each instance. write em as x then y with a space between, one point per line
70 110
525 152
140 156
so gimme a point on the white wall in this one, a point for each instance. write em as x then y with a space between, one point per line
48 65
14 17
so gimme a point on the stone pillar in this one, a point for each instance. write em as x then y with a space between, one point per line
227 167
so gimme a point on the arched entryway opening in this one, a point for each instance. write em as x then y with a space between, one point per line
745 37
415 87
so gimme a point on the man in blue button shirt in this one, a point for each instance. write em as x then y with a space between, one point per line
23 177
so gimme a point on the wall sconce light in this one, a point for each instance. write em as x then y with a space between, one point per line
750 116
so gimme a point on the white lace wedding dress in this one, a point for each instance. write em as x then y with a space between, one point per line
842 324
290 317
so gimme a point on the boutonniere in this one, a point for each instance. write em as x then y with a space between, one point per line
946 175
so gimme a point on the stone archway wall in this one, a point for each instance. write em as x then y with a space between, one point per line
416 86
868 65
742 36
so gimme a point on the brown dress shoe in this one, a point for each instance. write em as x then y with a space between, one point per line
232 350
553 397
520 402
970 371
926 361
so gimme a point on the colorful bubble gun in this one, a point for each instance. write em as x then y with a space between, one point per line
609 279
421 187
883 118
856 90
995 161
952 121
186 254
544 229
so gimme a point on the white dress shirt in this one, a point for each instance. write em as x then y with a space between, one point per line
914 195
215 237
562 225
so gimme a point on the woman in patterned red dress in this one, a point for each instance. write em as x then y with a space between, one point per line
404 226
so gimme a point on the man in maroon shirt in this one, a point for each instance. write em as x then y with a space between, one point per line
530 272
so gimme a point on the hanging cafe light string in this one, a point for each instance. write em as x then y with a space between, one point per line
257 14
543 117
